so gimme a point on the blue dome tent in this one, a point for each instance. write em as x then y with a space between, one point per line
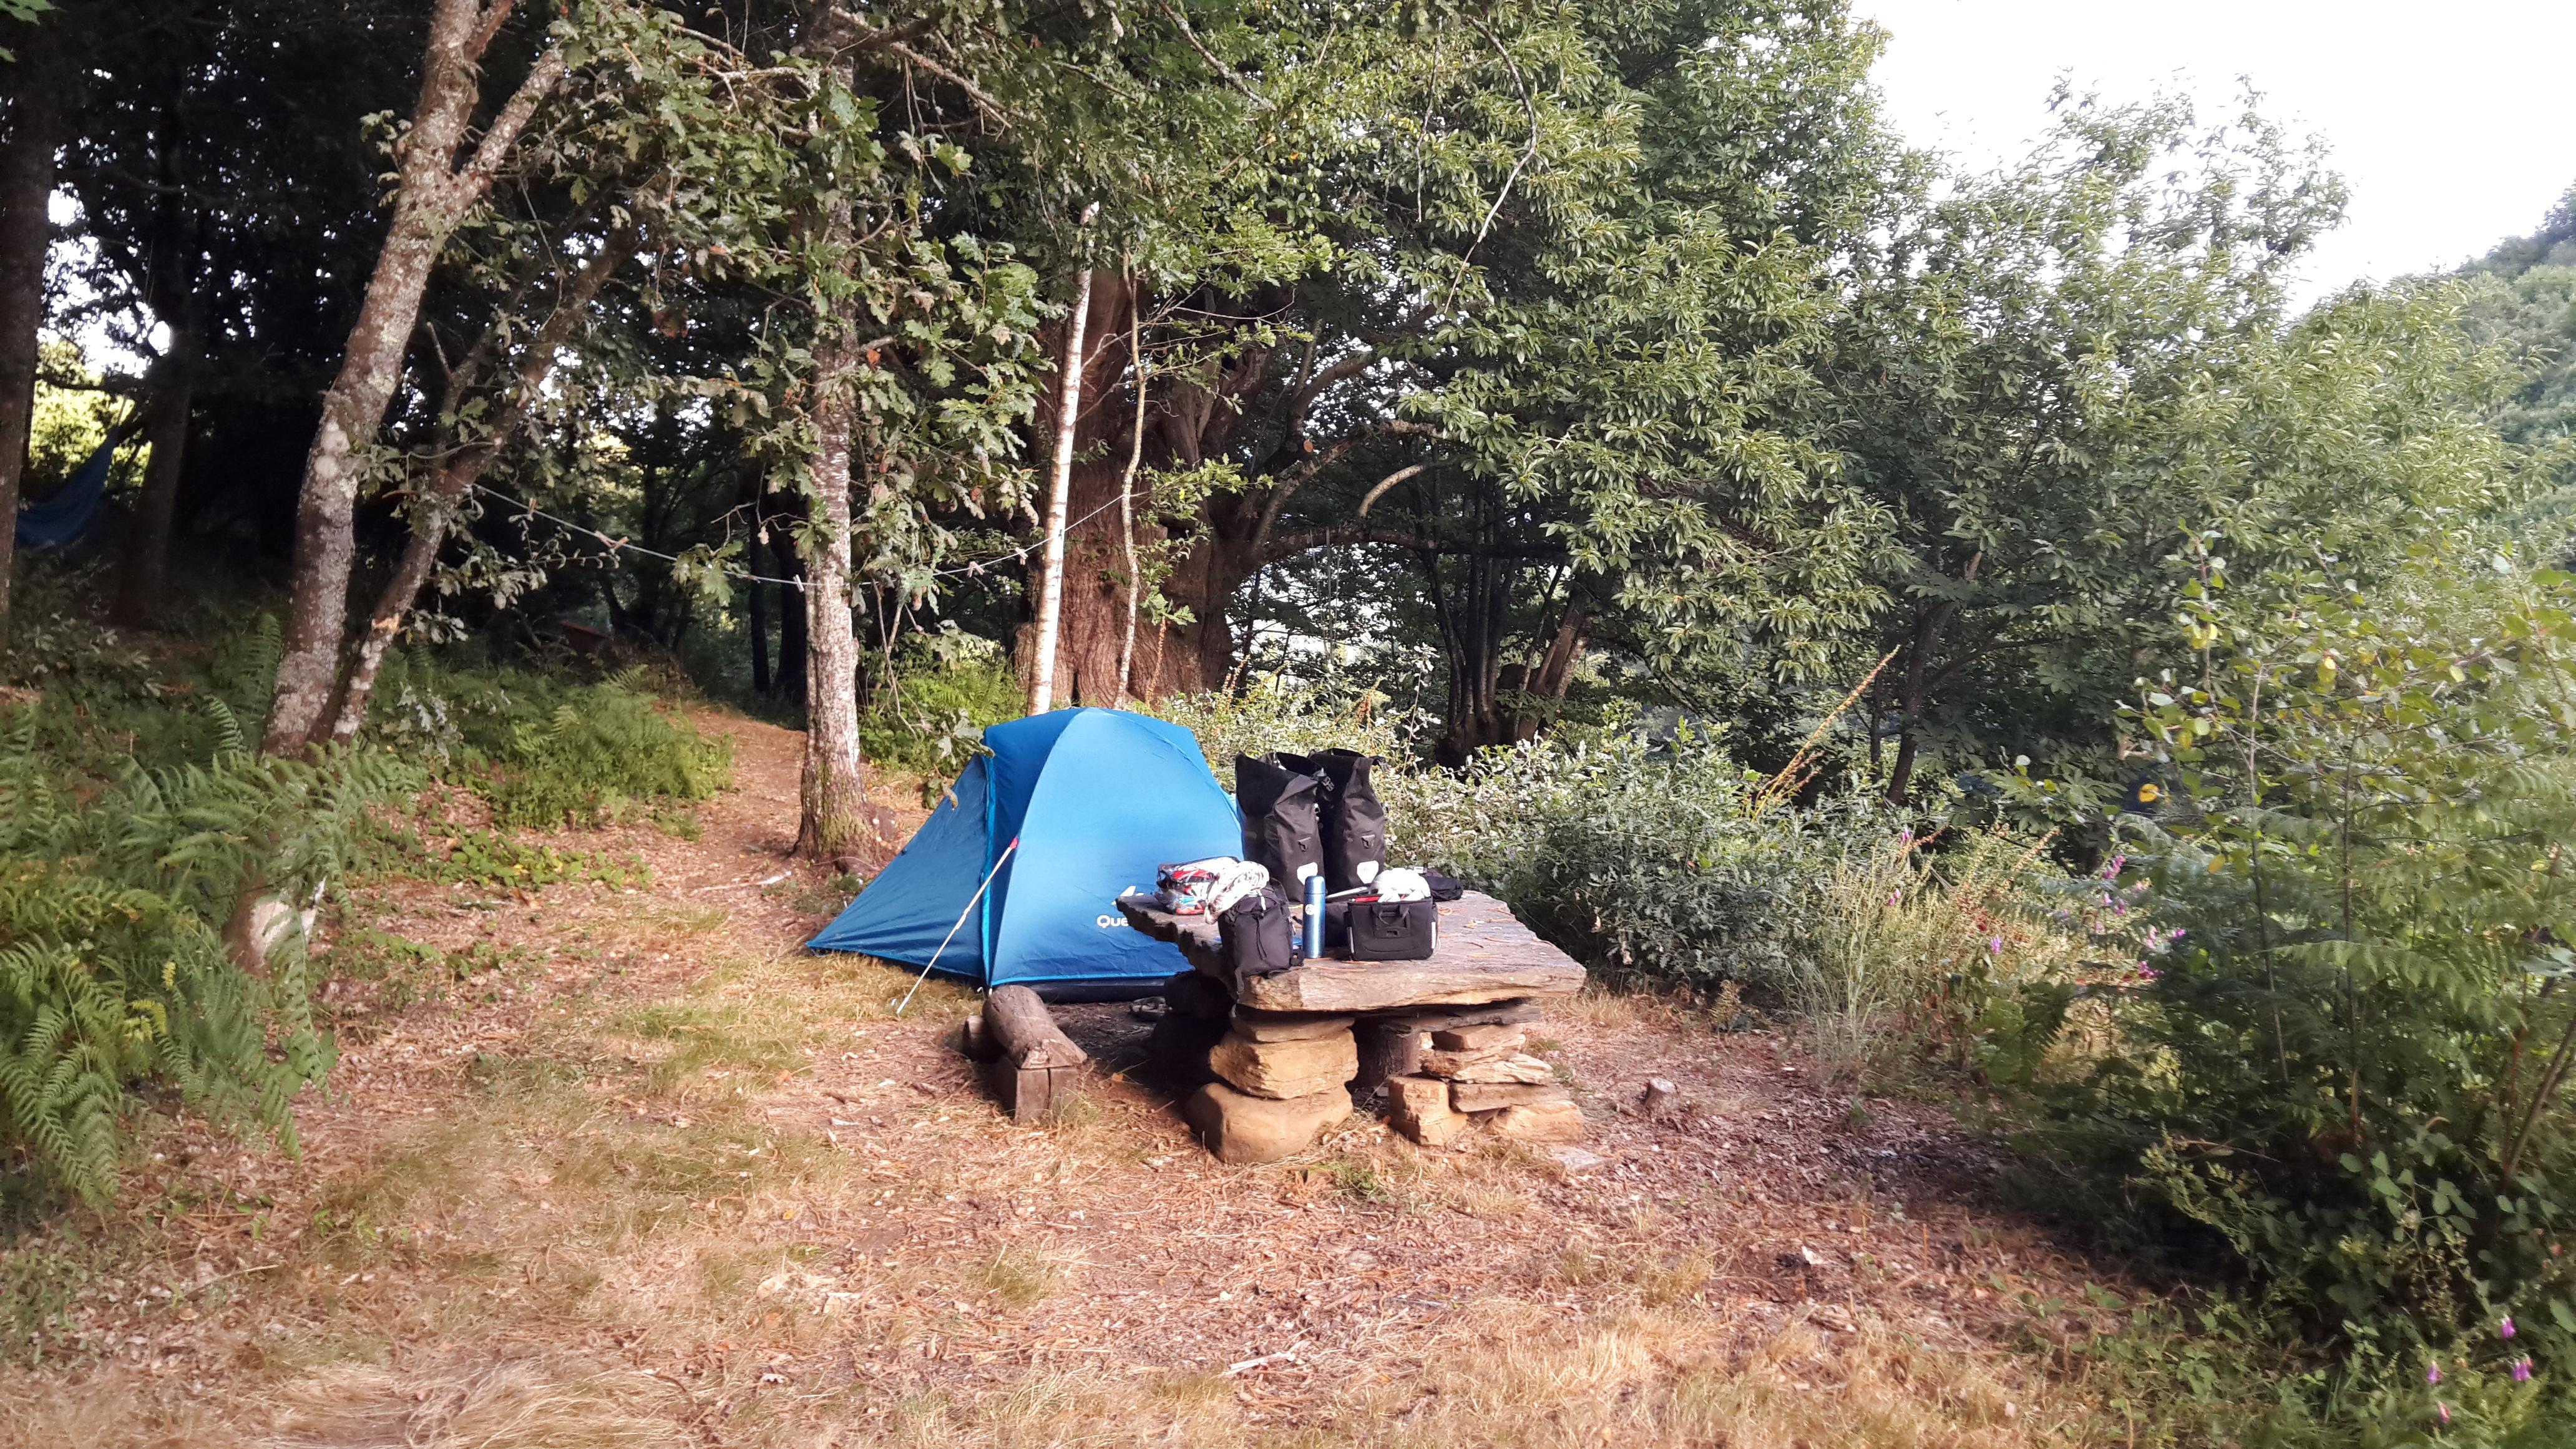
1096 798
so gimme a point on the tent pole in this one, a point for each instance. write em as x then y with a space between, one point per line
961 921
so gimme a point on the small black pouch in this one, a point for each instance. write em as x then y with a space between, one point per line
1374 930
1257 935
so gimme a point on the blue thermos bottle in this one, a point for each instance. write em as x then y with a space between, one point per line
1315 916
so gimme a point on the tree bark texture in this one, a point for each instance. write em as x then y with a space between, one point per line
1187 419
834 821
432 522
37 121
143 572
433 195
1068 418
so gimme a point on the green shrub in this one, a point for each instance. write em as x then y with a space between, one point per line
2352 1068
1665 863
546 752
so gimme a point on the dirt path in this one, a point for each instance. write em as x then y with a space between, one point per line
613 1165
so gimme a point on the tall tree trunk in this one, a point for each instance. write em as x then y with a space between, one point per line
434 194
37 122
1059 497
143 571
833 820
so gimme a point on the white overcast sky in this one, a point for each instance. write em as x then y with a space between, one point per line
2454 123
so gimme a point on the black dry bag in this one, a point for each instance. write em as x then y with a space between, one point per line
1282 811
1354 823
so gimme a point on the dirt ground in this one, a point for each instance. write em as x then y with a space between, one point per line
605 1165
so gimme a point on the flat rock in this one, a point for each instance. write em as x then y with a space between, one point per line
1241 1129
1288 1025
1419 1108
1575 1159
1544 1122
1495 1096
1508 1068
1439 1063
1282 1070
1484 1037
1484 956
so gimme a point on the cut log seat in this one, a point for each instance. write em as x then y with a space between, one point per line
1034 1066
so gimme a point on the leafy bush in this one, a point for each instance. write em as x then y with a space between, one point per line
2352 1069
113 968
545 752
928 713
1669 864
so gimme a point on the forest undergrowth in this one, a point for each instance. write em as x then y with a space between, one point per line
601 1157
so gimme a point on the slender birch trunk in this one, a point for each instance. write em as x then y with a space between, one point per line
1051 599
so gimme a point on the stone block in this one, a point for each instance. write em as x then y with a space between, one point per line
1239 1128
1496 1067
1287 1025
1495 1096
1285 1069
1490 1036
1419 1108
1543 1122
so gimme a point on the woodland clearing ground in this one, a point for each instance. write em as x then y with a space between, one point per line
649 1174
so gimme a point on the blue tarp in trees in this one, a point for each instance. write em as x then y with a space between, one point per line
68 514
1097 799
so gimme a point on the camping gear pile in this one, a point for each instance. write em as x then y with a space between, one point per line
1026 878
1269 1081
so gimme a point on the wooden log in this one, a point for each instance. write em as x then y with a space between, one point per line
1025 1033
1032 1094
1660 1099
975 1041
1388 1048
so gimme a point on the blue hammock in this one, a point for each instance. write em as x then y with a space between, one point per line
74 507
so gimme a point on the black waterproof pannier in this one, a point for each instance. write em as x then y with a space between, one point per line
1353 821
1282 815
1257 936
1375 930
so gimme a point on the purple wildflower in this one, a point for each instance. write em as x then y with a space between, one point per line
2444 1410
2522 1370
1905 836
1895 897
1994 945
2432 1373
2504 1328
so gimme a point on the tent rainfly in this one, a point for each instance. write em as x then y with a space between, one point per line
1096 798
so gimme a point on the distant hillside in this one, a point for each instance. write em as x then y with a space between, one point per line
2533 310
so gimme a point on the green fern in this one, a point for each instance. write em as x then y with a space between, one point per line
113 969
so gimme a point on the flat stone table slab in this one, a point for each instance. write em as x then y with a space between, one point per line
1484 955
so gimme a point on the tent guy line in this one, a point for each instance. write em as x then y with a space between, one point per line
961 924
617 547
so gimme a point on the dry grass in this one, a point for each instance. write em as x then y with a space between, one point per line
693 1186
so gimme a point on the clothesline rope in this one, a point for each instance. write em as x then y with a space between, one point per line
619 546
